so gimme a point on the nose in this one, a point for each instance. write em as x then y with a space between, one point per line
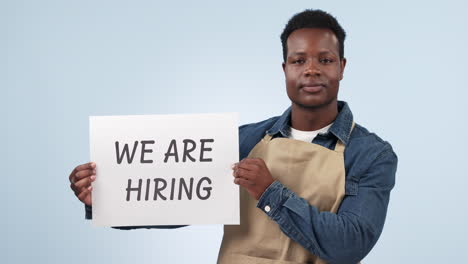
312 69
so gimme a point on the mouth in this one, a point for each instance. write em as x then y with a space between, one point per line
312 87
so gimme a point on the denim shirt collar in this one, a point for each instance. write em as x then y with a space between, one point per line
341 127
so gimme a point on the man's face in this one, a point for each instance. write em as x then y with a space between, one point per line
313 68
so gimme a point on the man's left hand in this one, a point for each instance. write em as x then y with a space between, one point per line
253 175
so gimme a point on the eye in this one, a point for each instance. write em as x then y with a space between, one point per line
326 60
298 61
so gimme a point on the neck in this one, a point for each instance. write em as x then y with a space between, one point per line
310 119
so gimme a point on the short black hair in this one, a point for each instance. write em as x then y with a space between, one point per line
313 18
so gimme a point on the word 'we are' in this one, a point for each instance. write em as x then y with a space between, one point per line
189 151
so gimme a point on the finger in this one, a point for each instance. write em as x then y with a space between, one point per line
85 182
257 161
248 166
237 163
235 168
234 165
250 175
83 174
243 182
85 193
89 165
75 189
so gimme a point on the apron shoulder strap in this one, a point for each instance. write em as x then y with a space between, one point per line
267 137
340 146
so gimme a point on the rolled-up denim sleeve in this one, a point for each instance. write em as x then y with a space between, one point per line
89 216
344 237
88 212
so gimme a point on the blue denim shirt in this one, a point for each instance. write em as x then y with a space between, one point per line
370 164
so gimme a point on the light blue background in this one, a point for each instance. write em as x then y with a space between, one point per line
62 61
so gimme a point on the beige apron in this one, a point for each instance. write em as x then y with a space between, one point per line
313 172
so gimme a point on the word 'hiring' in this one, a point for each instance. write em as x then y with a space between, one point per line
161 192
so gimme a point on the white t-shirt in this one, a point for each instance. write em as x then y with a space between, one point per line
307 136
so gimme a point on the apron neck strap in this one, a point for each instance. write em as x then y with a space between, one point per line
339 147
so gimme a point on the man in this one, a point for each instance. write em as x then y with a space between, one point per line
315 185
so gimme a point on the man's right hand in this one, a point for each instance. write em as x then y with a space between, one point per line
80 181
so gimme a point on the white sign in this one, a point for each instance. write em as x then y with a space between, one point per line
164 169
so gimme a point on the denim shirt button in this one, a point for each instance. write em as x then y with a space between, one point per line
267 209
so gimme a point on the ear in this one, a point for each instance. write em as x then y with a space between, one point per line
284 66
342 64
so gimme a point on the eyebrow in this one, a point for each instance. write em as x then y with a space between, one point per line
298 53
